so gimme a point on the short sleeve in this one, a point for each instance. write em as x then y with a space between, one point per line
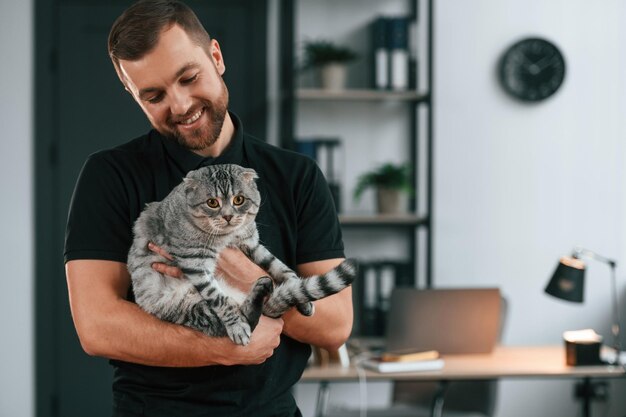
319 232
99 225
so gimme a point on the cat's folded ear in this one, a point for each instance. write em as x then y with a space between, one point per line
190 184
249 174
192 191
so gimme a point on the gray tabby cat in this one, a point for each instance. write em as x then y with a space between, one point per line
214 208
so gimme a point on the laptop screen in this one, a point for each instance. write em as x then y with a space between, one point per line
452 321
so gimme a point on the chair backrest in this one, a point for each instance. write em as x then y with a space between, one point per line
472 396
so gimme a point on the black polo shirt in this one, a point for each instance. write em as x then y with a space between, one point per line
297 222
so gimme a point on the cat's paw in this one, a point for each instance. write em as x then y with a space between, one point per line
306 309
239 333
263 286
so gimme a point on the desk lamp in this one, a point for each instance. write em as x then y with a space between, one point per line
567 283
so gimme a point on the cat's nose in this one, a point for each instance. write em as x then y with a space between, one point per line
227 217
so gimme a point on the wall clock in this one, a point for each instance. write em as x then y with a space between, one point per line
532 69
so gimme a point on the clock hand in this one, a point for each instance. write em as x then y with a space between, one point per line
544 62
526 61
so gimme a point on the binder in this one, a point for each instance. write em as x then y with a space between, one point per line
398 45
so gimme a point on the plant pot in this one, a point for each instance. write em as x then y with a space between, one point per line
333 76
391 201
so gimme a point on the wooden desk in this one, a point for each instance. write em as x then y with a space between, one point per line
503 362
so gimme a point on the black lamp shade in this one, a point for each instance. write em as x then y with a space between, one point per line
568 280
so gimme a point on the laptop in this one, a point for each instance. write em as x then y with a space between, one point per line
451 321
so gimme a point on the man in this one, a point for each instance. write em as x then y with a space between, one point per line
172 68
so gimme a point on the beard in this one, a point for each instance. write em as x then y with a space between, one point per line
207 134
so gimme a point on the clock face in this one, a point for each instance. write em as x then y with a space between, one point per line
532 69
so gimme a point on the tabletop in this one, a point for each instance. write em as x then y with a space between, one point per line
504 361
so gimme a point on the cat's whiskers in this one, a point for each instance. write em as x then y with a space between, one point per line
261 224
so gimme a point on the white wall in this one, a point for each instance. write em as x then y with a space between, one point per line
518 185
16 220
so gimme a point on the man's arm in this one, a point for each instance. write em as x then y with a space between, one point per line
330 326
110 326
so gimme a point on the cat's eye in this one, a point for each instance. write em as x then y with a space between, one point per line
213 203
238 200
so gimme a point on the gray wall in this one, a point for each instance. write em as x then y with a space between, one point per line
16 219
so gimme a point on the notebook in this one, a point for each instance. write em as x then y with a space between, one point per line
451 321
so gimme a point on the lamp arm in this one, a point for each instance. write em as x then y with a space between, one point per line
578 252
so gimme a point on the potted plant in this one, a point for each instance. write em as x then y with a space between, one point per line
390 181
330 60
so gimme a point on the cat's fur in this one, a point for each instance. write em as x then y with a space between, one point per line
186 226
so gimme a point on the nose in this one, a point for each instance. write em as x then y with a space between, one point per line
227 217
180 102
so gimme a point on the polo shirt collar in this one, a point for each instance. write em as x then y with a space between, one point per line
187 160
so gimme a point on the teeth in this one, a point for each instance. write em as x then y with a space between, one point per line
192 118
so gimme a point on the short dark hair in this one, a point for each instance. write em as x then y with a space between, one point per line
136 32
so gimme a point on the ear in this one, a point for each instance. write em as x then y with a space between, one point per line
192 187
249 175
217 57
190 183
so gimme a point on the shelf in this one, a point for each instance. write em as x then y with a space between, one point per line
405 116
382 220
359 95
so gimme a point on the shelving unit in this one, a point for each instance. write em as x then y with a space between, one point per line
371 123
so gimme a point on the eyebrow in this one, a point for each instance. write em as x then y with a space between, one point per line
190 65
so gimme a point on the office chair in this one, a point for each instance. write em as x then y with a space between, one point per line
472 398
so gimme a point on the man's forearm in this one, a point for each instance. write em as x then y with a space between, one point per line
109 326
329 327
150 341
331 324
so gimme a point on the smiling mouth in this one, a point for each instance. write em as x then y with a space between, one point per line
191 119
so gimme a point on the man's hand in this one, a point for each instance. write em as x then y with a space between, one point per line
163 268
265 338
232 265
238 270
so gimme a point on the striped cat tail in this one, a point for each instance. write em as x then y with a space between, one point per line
335 280
300 291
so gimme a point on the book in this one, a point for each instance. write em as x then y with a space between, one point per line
409 355
376 364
